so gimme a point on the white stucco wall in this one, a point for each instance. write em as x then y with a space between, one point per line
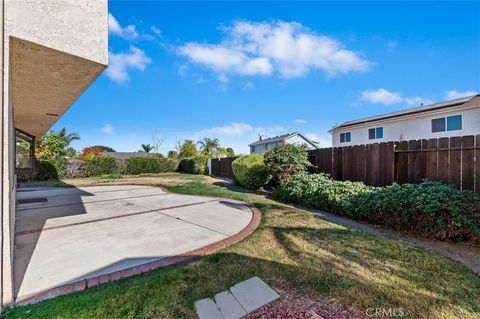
77 27
411 128
297 139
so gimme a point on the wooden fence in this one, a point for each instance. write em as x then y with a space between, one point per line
222 167
454 160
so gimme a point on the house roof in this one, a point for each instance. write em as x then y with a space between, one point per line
125 155
464 101
280 138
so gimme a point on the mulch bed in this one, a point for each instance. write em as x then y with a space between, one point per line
299 307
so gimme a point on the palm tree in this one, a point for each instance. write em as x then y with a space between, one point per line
67 138
147 148
209 146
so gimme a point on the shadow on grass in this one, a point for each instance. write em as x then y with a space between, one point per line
358 271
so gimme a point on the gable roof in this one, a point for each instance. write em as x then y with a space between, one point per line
281 138
464 101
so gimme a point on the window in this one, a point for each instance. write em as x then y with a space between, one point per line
438 125
375 133
450 123
454 123
345 137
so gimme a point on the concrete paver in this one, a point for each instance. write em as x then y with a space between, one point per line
79 233
207 309
253 294
229 306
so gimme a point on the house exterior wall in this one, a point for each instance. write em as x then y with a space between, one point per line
412 127
71 27
262 148
299 140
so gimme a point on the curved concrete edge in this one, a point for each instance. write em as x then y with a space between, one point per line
85 284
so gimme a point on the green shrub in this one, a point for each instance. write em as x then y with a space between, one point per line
149 164
98 166
285 161
250 171
203 170
188 165
430 209
435 209
321 192
50 169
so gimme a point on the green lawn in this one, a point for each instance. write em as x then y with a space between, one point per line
294 252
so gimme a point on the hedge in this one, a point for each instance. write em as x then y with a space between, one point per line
98 166
194 165
250 171
150 164
50 169
429 209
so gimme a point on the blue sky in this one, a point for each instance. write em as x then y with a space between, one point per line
235 70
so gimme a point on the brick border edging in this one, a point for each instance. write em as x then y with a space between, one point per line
85 284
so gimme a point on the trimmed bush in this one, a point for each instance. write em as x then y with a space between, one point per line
429 209
149 164
194 165
433 209
98 166
285 161
250 171
188 165
50 169
321 192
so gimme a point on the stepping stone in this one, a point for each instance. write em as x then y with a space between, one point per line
253 293
229 306
207 309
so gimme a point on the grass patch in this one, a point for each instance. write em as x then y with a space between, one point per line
293 251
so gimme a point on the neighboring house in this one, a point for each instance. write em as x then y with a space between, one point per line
445 119
51 51
265 144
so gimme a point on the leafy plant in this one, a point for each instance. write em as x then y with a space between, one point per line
285 161
54 145
91 152
50 169
187 149
250 171
429 209
97 166
149 164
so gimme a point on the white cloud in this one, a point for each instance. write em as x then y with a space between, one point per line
107 129
249 86
381 96
417 101
286 48
454 94
232 129
119 63
156 30
128 33
300 121
322 141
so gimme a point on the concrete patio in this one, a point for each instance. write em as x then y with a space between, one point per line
66 234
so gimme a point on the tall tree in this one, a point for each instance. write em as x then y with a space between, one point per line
186 149
209 146
55 145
